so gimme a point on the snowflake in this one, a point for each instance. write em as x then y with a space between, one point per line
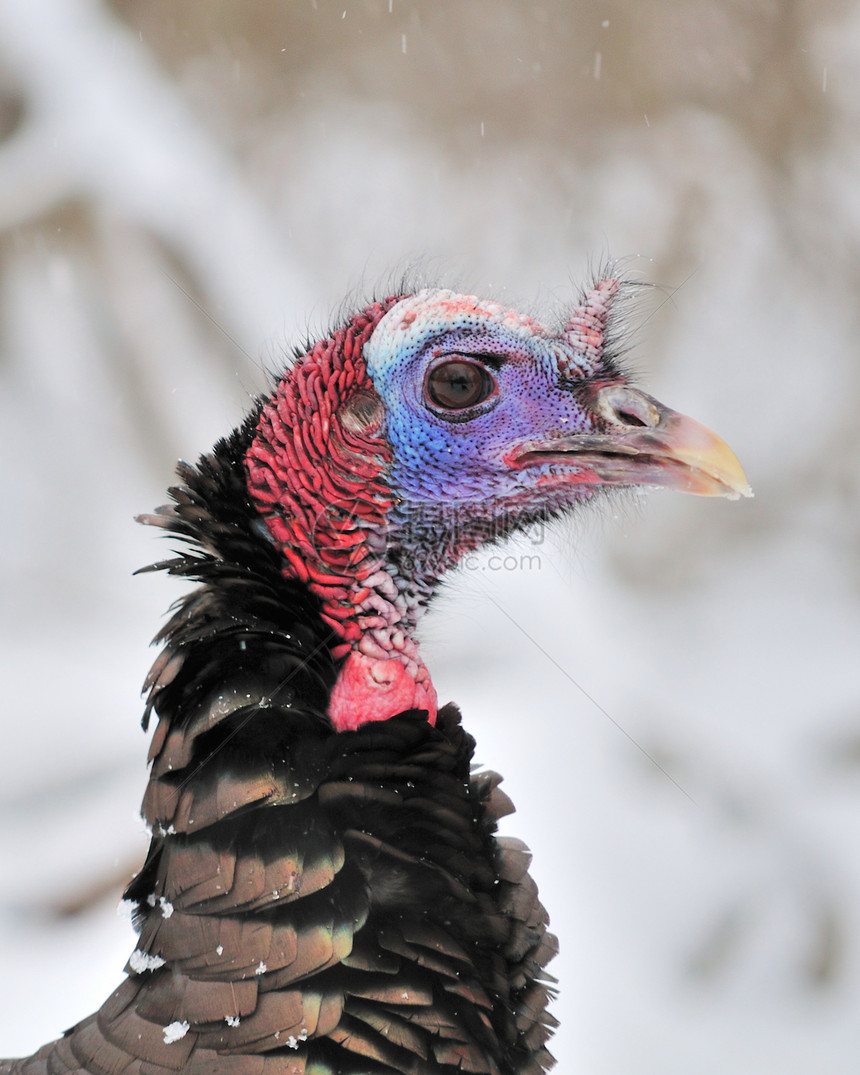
143 961
174 1031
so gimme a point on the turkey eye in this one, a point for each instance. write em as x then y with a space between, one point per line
458 385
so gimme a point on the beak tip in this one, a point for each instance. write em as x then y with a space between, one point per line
714 468
733 478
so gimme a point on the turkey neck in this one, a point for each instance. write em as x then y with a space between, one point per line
318 472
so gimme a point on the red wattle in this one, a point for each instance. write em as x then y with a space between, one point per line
370 689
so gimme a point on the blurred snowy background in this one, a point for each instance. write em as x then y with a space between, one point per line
186 187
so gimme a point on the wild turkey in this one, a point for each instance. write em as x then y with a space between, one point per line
324 892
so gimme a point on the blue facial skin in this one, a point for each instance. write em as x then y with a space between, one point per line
465 456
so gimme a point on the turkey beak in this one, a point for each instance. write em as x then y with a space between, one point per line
644 442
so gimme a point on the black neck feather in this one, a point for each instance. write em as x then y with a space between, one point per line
244 617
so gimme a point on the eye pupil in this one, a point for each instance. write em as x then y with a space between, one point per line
458 385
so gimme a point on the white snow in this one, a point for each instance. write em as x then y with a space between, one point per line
175 1031
143 961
